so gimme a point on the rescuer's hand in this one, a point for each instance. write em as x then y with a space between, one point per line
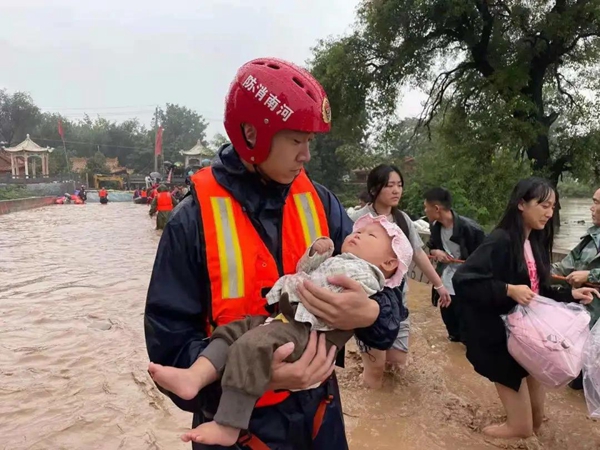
314 366
346 310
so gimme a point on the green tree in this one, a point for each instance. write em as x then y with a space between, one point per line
46 134
57 163
129 141
471 161
182 129
336 64
517 59
325 167
217 141
97 165
19 116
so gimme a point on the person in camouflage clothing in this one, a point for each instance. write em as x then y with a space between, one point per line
582 265
163 203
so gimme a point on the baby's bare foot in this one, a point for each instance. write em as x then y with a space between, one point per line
211 433
181 382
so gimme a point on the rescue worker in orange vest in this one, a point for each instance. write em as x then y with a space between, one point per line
103 195
163 203
247 221
152 193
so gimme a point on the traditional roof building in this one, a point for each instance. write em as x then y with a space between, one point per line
79 163
19 156
195 155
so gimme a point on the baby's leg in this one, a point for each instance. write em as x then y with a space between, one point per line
246 376
338 338
248 370
186 383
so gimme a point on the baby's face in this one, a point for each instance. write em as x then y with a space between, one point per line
371 243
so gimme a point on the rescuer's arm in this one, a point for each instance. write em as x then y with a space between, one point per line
153 206
174 319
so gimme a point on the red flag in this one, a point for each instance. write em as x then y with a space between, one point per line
60 130
158 143
170 177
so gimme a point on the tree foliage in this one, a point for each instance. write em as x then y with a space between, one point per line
18 115
130 141
479 173
516 61
182 129
97 165
217 142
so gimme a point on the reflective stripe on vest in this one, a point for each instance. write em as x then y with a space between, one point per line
311 228
164 202
241 269
230 252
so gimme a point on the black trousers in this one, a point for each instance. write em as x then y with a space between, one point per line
451 318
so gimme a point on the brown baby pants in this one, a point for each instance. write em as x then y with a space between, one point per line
243 352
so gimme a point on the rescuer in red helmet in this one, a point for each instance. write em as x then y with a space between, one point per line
247 221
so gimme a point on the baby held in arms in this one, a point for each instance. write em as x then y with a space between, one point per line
376 254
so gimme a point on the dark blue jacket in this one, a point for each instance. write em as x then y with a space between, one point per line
179 295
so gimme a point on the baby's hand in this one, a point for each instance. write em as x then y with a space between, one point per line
322 246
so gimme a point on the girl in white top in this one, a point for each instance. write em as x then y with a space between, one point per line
384 186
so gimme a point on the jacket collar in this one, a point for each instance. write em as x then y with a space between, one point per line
248 188
456 227
594 234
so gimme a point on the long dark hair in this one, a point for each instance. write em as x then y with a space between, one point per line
540 190
378 179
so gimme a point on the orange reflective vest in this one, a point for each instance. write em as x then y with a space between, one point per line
144 194
164 202
102 193
240 267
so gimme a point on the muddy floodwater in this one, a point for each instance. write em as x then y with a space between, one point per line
73 281
575 218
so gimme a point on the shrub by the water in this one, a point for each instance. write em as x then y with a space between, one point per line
14 192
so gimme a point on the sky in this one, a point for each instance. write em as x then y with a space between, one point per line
121 59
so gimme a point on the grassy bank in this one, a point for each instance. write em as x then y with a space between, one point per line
15 192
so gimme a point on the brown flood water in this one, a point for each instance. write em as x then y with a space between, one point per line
73 281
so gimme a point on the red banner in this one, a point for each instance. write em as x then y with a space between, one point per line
60 130
158 143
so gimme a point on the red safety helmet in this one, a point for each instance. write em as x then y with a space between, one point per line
273 95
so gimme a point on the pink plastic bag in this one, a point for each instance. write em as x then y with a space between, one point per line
547 338
591 372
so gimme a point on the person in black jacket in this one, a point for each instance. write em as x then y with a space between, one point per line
266 155
451 237
509 268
